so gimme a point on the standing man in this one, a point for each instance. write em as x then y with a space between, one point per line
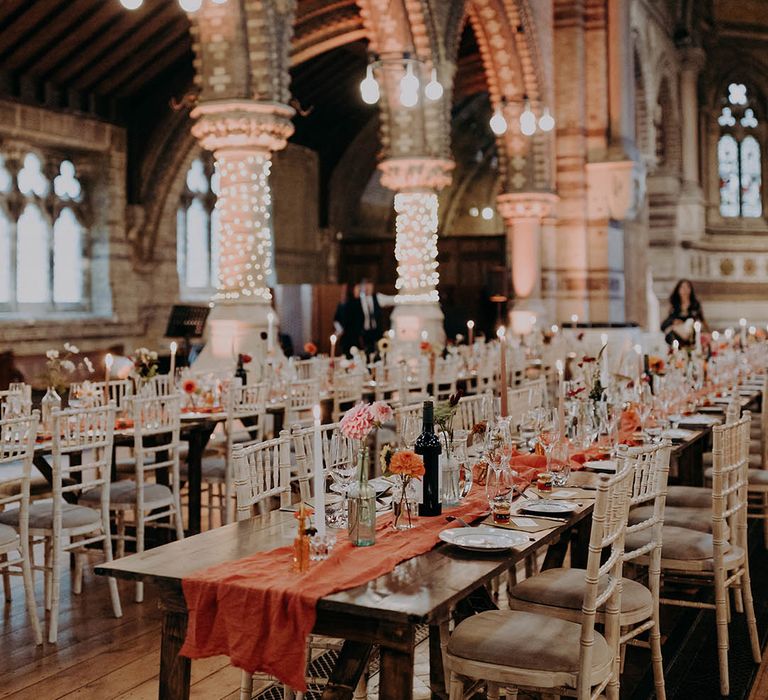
372 317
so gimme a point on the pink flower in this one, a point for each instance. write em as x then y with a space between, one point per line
356 422
380 412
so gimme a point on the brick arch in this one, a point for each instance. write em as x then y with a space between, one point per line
667 122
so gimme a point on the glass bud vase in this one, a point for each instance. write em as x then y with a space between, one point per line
361 526
405 504
51 402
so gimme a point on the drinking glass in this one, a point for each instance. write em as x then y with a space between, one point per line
411 430
343 468
558 463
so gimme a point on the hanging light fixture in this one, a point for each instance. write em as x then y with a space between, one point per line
369 87
433 90
546 121
409 87
528 120
498 123
190 5
131 4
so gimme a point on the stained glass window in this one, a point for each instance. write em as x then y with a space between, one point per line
67 259
738 156
32 266
197 232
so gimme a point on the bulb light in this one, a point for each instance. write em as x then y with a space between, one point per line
416 247
409 87
528 121
131 4
498 123
190 5
369 88
487 213
245 212
547 121
433 90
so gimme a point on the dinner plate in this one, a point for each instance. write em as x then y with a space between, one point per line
483 539
548 506
678 434
380 484
696 419
601 465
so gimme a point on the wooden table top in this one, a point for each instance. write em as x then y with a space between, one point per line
419 589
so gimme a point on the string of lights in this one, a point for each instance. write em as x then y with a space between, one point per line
416 247
186 5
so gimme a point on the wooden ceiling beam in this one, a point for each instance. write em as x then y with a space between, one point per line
125 25
100 23
150 31
149 71
55 28
26 24
10 11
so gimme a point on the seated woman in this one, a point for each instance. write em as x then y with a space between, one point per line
685 311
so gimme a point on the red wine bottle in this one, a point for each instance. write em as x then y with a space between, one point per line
428 446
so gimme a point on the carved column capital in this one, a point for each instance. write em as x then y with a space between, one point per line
692 59
516 206
413 174
236 125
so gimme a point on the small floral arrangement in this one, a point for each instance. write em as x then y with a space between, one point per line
385 456
244 359
591 369
60 365
444 415
190 386
478 431
144 363
384 344
359 420
656 364
407 466
426 348
310 348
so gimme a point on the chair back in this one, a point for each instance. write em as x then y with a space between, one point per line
414 382
262 471
302 397
302 369
96 394
472 410
249 401
527 396
335 449
604 566
17 446
156 438
388 377
413 410
159 385
346 390
81 430
14 403
730 481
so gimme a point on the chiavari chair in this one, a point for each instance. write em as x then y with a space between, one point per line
302 397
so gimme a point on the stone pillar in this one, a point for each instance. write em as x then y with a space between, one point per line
692 62
416 182
242 136
523 214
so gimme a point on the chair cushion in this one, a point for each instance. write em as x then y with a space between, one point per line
692 518
677 543
564 588
7 535
689 497
213 468
124 492
524 640
41 516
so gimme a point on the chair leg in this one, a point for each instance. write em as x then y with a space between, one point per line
246 685
47 572
656 659
457 688
178 518
492 691
53 623
738 602
765 520
6 579
229 510
29 591
721 617
77 574
749 607
139 548
210 492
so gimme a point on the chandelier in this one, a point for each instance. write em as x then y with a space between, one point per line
186 5
409 86
528 121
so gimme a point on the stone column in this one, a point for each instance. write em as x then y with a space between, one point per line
523 214
692 62
416 182
242 136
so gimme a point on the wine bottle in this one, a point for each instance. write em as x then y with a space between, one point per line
428 446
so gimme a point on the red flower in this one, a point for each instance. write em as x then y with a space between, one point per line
189 386
244 358
310 348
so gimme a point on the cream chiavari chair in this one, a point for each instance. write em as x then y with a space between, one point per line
63 526
156 445
446 377
414 382
525 397
346 391
721 558
332 441
14 403
472 410
302 397
302 370
541 652
388 378
559 592
246 408
17 446
94 393
413 410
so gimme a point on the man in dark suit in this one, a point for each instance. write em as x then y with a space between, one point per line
370 310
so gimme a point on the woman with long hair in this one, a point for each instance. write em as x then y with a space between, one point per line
685 310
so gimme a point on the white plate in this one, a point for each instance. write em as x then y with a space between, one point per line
380 484
548 506
697 419
601 465
483 539
678 434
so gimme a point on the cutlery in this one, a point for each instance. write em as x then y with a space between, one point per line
461 521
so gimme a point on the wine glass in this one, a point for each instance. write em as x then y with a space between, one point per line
341 462
410 430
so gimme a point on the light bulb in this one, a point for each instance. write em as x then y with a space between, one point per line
547 121
190 5
219 2
487 213
131 4
433 90
369 88
409 88
498 123
528 121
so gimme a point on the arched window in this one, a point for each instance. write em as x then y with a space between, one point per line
738 156
197 233
42 240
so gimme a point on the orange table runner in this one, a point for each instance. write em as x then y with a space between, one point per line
259 613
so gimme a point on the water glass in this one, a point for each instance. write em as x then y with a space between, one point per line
558 463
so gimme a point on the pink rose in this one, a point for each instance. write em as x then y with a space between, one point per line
356 422
380 412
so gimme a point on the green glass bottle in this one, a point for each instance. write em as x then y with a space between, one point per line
361 526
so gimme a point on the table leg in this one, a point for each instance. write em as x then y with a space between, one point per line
349 668
175 670
396 672
438 639
198 439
